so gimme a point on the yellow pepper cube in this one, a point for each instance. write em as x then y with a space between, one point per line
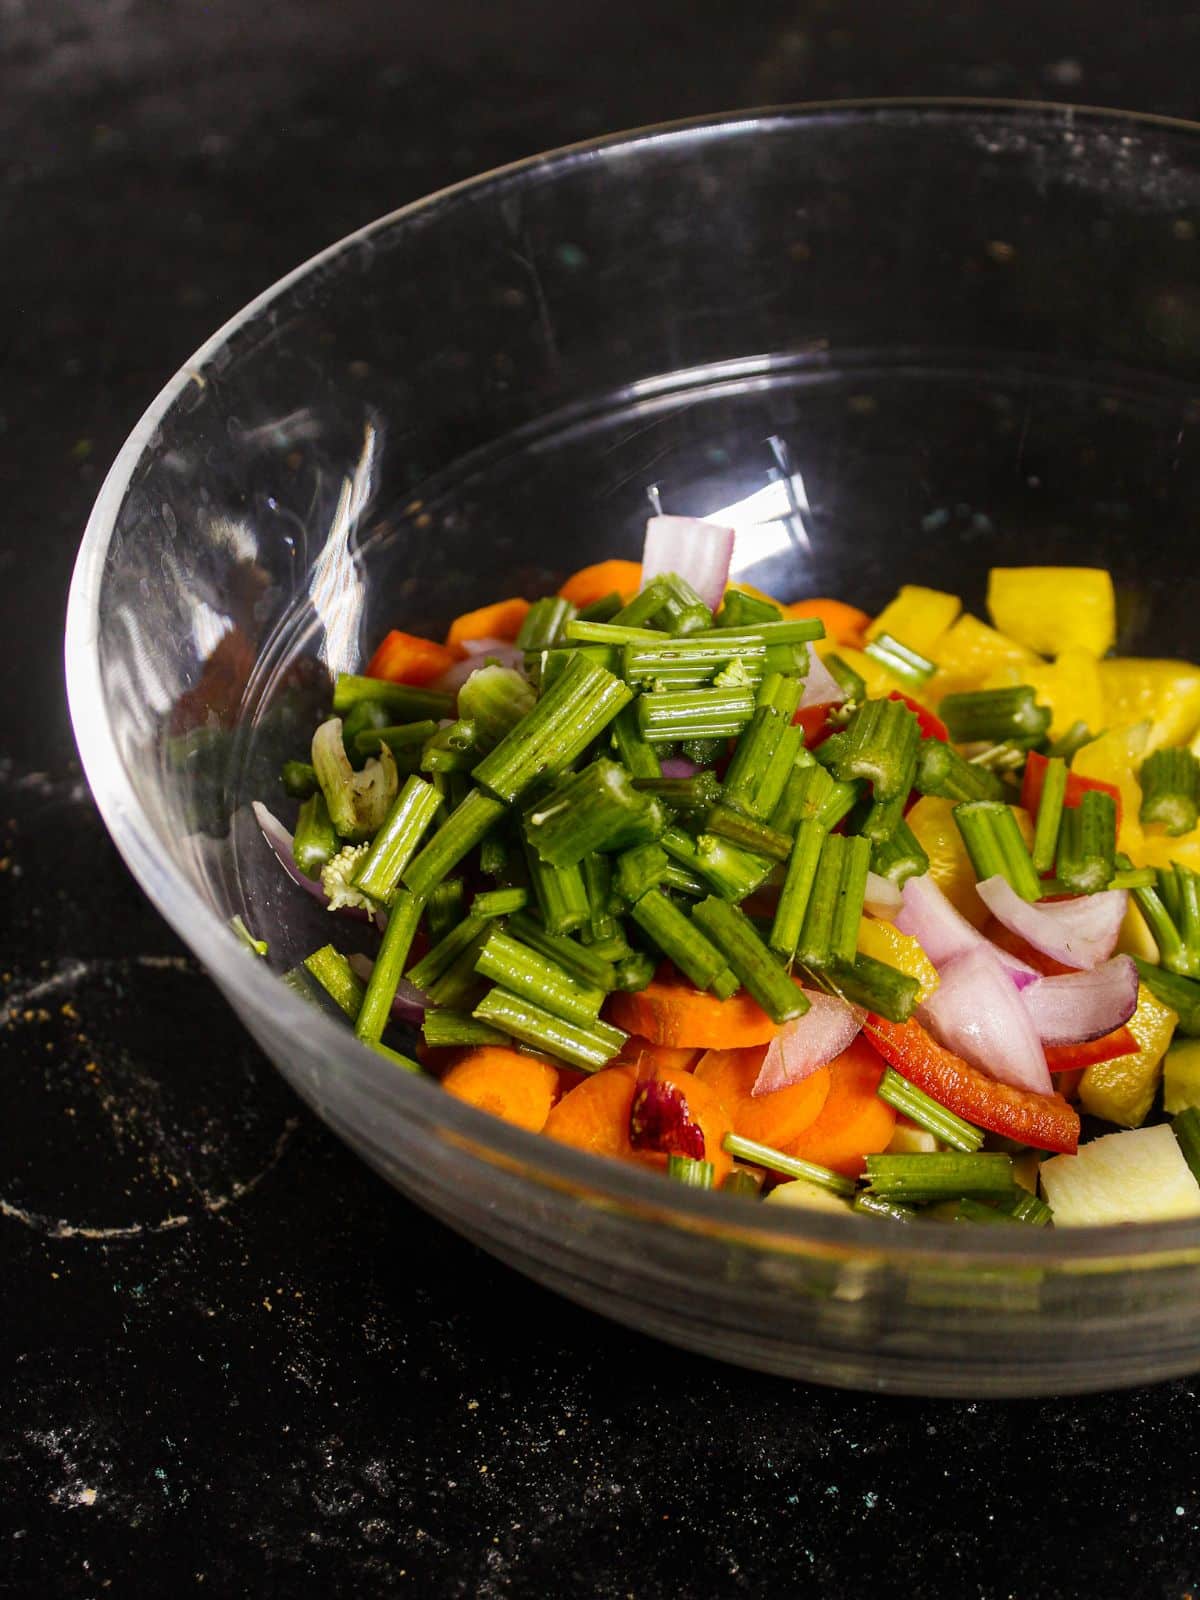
1050 609
1122 1091
932 821
1166 694
969 651
917 617
1070 686
1116 757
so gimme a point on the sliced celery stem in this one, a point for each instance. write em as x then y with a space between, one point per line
924 1178
807 789
734 935
494 699
635 971
813 948
755 749
527 972
1171 949
572 957
688 663
446 1030
678 937
1020 1206
797 887
778 770
444 908
1087 843
338 979
315 841
993 840
694 714
597 884
560 892
763 1155
544 623
438 960
396 842
602 610
637 754
559 728
881 746
596 809
927 1113
781 692
1180 993
903 662
588 1048
883 817
461 832
499 902
876 986
873 1206
693 795
942 771
402 922
741 610
402 737
299 779
690 1172
733 873
1170 781
1186 1128
994 715
400 700
394 1056
641 870
747 833
848 910
848 681
899 858
1049 816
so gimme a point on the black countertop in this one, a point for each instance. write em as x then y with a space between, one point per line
235 1362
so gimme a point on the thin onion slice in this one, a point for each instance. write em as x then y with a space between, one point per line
699 552
821 688
807 1043
1078 933
944 933
883 898
409 1004
977 1013
1077 1007
679 767
280 840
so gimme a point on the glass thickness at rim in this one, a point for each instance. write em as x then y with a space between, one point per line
260 994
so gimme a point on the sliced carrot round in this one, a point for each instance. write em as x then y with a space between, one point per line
843 623
594 1116
673 1012
854 1122
776 1118
708 1109
602 578
519 1088
500 621
646 1056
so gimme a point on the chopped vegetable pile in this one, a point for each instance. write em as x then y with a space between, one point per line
839 911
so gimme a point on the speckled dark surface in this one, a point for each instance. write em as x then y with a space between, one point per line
235 1363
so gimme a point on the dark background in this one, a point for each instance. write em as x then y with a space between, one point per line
231 1361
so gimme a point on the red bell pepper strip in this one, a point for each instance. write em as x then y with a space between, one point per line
931 727
407 658
1043 1120
815 722
1067 1057
1077 787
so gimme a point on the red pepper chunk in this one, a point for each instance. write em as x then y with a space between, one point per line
1045 1121
931 727
1110 1046
1077 787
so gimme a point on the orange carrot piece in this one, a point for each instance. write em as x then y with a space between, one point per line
594 1116
644 1055
589 584
844 624
708 1109
854 1122
407 658
519 1088
776 1118
672 1012
500 621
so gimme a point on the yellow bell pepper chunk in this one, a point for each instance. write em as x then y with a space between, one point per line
932 821
1135 938
1052 608
1181 1076
884 942
968 652
1070 686
1122 1091
1116 757
1164 693
917 617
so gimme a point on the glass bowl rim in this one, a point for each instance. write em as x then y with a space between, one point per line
640 1193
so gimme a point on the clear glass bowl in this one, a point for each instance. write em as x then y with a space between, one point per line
891 342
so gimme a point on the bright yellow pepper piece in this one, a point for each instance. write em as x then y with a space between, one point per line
968 652
884 942
932 821
1122 1091
1116 758
917 617
1070 686
1164 693
1052 608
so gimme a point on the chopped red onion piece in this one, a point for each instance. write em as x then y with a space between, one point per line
410 1003
821 688
659 1119
699 552
1078 1006
1078 933
883 898
280 841
976 1012
804 1045
944 933
679 767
